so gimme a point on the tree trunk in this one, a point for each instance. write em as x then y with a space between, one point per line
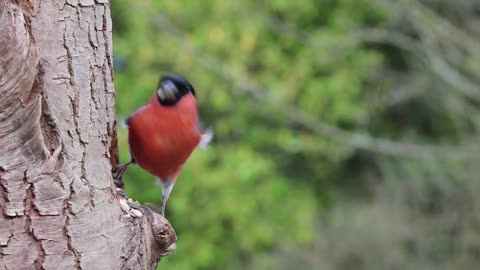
59 207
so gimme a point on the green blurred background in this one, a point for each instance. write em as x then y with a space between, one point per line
346 132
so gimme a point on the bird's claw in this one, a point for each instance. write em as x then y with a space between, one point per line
118 174
121 192
118 182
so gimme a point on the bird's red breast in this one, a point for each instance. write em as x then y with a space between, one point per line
162 138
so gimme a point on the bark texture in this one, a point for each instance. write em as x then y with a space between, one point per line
59 208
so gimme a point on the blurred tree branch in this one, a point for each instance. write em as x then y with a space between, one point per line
353 139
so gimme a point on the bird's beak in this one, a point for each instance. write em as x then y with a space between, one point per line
166 94
168 91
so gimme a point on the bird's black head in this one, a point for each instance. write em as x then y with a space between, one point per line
172 88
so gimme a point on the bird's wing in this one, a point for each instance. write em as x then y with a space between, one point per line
128 122
206 138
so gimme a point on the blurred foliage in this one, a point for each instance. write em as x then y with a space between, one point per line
343 130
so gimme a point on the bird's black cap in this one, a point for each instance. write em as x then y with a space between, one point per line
172 88
181 83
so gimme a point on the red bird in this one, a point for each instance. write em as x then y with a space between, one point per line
163 134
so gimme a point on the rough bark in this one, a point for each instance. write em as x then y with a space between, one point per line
59 207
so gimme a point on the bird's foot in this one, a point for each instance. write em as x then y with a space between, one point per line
118 174
118 182
121 192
